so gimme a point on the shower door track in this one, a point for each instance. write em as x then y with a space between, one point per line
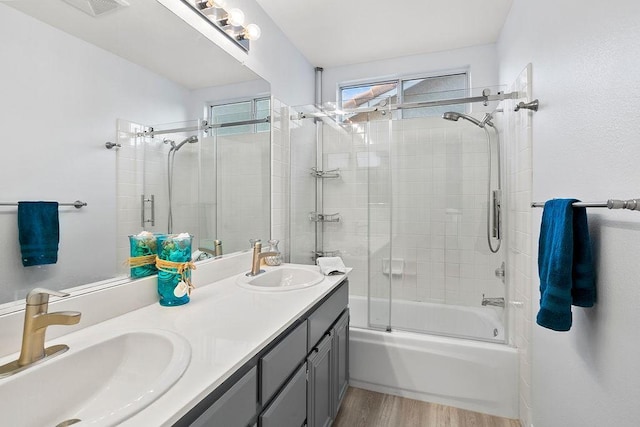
204 126
484 98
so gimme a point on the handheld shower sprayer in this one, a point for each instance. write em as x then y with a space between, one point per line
453 116
191 140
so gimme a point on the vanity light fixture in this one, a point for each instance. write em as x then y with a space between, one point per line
228 21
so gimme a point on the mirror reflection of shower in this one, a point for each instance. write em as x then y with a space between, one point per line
170 161
494 197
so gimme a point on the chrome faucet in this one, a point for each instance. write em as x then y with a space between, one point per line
496 302
257 257
36 321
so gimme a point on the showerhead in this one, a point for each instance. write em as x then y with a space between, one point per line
191 140
451 115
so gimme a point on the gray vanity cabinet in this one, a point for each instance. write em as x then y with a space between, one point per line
340 353
328 361
298 379
320 384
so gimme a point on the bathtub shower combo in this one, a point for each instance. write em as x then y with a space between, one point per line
414 205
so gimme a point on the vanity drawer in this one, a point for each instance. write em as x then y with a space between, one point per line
325 315
280 362
236 407
289 408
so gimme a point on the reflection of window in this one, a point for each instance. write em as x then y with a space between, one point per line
238 111
407 91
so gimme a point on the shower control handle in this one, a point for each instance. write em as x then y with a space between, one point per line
500 272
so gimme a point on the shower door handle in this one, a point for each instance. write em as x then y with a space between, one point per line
152 205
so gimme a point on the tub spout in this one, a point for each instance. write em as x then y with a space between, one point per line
496 301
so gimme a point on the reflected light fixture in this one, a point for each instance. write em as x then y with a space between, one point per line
229 22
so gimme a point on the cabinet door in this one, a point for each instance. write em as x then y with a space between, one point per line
288 409
281 361
340 360
320 385
236 407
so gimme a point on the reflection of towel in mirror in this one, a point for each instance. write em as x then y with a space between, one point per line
38 232
331 265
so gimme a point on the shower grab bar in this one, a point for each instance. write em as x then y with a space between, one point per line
77 204
631 204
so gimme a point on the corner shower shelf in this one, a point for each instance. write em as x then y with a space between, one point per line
321 217
333 173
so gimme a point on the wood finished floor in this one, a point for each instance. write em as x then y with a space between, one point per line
363 408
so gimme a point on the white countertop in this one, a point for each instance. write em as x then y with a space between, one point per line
225 324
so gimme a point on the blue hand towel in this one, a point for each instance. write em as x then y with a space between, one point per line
565 264
38 232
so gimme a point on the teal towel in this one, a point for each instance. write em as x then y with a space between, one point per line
565 264
38 232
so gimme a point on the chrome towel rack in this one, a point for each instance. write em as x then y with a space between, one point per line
77 204
631 204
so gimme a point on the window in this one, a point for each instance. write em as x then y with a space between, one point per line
407 91
239 111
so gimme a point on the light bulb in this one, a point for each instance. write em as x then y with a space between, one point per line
236 17
252 32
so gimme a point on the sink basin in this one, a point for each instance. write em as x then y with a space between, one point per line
101 384
284 278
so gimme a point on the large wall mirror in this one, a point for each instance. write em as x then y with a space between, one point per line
73 78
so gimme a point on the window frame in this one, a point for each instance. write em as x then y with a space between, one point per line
399 83
254 110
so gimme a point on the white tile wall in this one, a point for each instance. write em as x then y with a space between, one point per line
280 176
518 153
243 193
302 134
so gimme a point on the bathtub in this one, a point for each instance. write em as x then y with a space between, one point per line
468 374
481 323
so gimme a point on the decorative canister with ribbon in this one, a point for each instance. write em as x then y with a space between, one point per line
174 269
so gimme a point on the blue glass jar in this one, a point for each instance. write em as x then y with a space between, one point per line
172 281
142 252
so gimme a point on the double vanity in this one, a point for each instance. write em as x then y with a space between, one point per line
269 351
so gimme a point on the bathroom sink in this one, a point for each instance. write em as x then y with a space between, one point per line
283 278
100 384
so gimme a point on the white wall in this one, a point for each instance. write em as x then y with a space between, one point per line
60 101
585 145
482 60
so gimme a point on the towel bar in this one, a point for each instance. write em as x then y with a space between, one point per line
77 204
631 204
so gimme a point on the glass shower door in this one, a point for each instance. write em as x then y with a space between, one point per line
441 265
375 159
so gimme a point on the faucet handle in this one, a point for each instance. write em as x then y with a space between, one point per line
39 296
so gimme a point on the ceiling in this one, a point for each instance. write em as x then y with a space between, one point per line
331 33
148 34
